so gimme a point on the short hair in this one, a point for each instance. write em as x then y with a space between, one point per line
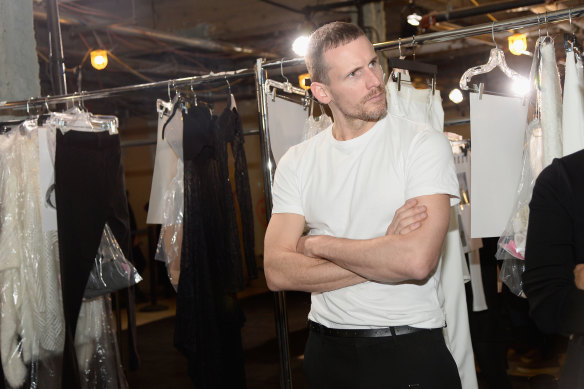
328 37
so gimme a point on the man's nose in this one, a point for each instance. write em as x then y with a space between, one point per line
373 78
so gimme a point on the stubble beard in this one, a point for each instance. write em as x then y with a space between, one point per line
372 114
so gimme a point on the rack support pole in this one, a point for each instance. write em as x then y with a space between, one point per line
268 171
56 49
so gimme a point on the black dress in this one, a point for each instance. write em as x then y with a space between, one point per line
209 317
555 244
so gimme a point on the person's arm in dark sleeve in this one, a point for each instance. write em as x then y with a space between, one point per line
556 305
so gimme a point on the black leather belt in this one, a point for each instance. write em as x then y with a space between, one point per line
363 333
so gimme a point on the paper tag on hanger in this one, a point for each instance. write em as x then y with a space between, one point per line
47 183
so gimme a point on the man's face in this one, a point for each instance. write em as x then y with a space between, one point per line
355 84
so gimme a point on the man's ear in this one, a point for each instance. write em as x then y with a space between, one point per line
320 92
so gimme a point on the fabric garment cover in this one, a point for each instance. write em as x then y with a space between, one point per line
209 317
423 106
573 105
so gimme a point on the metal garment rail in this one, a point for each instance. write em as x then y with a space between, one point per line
459 33
104 93
269 163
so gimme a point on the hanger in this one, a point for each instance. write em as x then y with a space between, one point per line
195 102
496 59
414 66
80 119
45 112
231 101
570 41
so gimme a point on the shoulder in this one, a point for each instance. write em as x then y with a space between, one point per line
564 171
560 183
304 149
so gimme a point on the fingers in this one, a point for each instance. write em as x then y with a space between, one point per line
407 218
410 223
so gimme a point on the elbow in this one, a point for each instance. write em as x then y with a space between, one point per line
272 283
422 266
273 280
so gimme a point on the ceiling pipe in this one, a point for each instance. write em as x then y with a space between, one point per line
198 43
57 61
432 18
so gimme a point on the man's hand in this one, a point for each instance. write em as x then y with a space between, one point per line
579 276
407 218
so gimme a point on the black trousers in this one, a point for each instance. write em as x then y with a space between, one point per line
419 360
89 191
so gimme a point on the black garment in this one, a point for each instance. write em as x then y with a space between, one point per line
90 191
395 362
208 317
487 328
231 132
555 244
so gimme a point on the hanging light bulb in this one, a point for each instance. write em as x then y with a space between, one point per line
455 96
99 59
521 86
517 44
414 19
300 45
304 81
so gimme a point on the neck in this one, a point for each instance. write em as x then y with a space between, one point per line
345 128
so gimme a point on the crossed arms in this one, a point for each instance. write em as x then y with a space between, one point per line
410 250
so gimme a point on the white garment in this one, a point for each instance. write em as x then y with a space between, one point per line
423 106
314 125
419 105
31 319
549 96
351 189
165 161
479 301
573 105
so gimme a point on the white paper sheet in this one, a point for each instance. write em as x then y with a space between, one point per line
497 126
286 123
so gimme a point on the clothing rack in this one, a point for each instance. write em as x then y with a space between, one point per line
152 142
269 164
104 93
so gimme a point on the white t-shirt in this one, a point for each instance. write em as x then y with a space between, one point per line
351 189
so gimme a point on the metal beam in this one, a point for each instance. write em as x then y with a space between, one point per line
433 18
198 43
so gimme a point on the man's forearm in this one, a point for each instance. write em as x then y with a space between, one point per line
294 271
389 258
381 259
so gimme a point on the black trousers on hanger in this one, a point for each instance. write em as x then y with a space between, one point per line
89 191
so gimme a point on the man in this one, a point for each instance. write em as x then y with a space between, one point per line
554 259
375 319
